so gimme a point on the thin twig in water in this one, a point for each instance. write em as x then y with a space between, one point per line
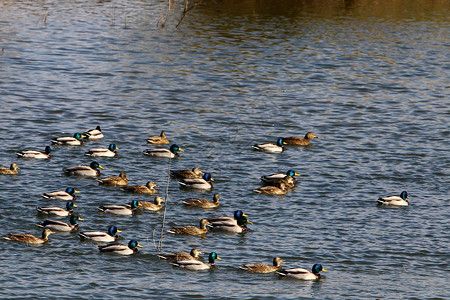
163 19
159 249
187 9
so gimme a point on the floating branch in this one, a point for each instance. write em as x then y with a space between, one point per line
159 248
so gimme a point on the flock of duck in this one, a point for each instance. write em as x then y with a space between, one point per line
274 184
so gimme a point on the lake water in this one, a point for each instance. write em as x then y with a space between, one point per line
371 80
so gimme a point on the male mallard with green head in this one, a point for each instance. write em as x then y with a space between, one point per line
93 134
172 152
69 140
102 152
81 170
35 153
196 265
270 147
120 248
57 211
303 274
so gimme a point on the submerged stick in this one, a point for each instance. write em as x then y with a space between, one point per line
159 248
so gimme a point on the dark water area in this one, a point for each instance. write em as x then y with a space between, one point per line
370 79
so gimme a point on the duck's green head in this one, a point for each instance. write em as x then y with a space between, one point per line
95 165
280 142
112 230
292 173
238 214
134 204
71 191
404 195
174 149
70 205
133 244
207 177
74 219
317 268
212 257
47 150
78 136
112 147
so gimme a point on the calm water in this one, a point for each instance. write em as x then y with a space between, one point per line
370 81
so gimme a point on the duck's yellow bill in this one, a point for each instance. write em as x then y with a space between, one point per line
119 230
324 270
218 258
101 167
76 191
139 245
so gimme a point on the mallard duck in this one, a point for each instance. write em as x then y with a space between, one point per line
236 215
270 147
35 153
149 188
29 238
120 248
12 170
120 209
203 183
262 267
68 194
154 206
203 203
103 152
182 174
294 140
158 140
276 177
101 236
80 170
69 140
191 229
57 225
288 181
196 265
58 211
93 134
395 200
231 226
281 189
122 179
303 274
181 255
172 152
